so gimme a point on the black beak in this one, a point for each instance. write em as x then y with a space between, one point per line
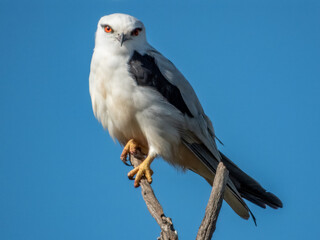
122 38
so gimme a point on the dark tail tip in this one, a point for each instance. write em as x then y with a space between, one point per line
274 200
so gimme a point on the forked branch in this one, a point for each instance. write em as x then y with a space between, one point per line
208 224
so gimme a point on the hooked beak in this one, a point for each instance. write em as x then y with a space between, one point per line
122 38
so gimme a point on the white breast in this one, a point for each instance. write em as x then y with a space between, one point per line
112 94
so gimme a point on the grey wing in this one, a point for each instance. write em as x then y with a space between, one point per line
199 137
199 127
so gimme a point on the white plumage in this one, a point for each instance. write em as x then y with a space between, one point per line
139 94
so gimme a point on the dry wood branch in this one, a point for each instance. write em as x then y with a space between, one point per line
167 230
208 224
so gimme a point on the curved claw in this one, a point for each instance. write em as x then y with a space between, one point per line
125 162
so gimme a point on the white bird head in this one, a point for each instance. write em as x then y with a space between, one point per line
120 33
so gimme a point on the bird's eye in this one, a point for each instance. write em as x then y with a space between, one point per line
136 32
108 29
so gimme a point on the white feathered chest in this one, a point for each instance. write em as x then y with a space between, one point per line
113 94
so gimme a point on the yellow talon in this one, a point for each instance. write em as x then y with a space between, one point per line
132 147
142 170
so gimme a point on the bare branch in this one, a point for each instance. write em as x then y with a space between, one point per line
208 224
167 230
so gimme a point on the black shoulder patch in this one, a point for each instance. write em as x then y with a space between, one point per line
146 73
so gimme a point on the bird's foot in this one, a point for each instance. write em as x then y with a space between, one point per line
132 147
142 170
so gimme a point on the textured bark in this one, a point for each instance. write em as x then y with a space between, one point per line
208 224
167 230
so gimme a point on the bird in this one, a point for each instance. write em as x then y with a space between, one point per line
147 105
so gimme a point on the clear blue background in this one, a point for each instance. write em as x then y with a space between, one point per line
255 67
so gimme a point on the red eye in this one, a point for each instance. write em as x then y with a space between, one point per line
136 32
108 29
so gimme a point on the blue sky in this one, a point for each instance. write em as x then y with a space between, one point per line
256 69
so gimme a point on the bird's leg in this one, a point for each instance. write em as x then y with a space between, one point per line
143 170
132 147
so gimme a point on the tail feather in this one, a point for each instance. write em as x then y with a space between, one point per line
231 195
239 184
249 188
